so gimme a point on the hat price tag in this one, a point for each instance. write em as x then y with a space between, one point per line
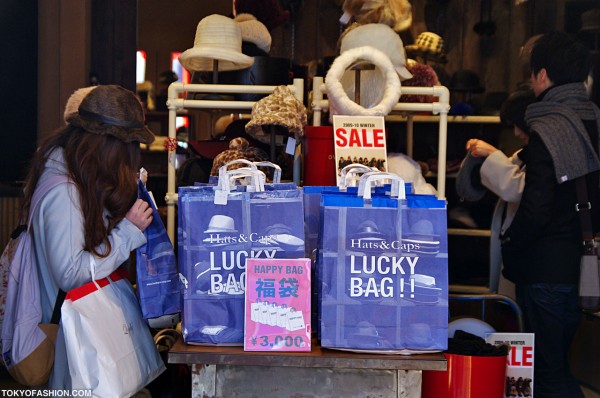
290 147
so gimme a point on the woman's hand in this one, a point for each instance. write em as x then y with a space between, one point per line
140 214
479 148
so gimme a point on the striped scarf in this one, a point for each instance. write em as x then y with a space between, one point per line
557 119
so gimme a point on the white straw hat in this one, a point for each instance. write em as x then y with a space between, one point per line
217 38
254 31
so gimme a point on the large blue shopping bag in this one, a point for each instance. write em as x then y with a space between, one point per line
219 229
383 273
157 276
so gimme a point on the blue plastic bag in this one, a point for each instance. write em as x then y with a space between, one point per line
156 268
214 242
383 273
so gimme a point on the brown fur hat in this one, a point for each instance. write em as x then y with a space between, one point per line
280 108
108 109
239 148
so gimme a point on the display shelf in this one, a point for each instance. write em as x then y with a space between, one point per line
438 109
176 103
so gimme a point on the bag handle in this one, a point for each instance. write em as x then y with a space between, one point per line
223 169
242 172
257 178
275 167
368 179
349 172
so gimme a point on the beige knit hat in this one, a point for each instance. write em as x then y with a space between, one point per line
217 38
280 108
254 31
108 109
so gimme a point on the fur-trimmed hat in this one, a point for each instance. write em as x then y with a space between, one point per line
280 108
254 31
217 38
108 109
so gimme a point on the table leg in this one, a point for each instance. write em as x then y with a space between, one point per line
409 383
204 379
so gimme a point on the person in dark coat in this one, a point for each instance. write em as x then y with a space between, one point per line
542 247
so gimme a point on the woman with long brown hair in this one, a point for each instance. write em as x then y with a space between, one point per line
94 220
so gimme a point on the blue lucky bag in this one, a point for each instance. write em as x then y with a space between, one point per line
219 228
382 273
156 268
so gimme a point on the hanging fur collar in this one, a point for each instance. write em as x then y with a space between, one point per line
383 80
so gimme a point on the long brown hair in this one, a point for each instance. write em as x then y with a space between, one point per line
103 169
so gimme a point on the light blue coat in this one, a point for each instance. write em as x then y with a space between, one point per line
58 236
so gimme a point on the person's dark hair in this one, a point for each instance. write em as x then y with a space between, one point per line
513 109
103 169
565 59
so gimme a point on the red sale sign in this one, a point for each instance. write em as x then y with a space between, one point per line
519 363
359 140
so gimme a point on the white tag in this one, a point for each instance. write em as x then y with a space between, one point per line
345 18
290 147
220 197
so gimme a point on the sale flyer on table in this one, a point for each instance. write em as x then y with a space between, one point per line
361 140
519 366
277 315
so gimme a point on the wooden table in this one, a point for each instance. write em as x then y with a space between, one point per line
231 371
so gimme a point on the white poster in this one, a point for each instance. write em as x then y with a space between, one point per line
519 366
359 139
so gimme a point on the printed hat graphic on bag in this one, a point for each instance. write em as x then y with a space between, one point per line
221 223
368 229
217 38
425 289
281 234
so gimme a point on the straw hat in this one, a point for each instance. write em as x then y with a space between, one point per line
280 108
108 109
217 38
254 31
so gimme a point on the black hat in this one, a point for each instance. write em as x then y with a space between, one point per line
466 81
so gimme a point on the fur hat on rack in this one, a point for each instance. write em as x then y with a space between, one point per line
239 148
396 14
108 109
423 76
280 108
